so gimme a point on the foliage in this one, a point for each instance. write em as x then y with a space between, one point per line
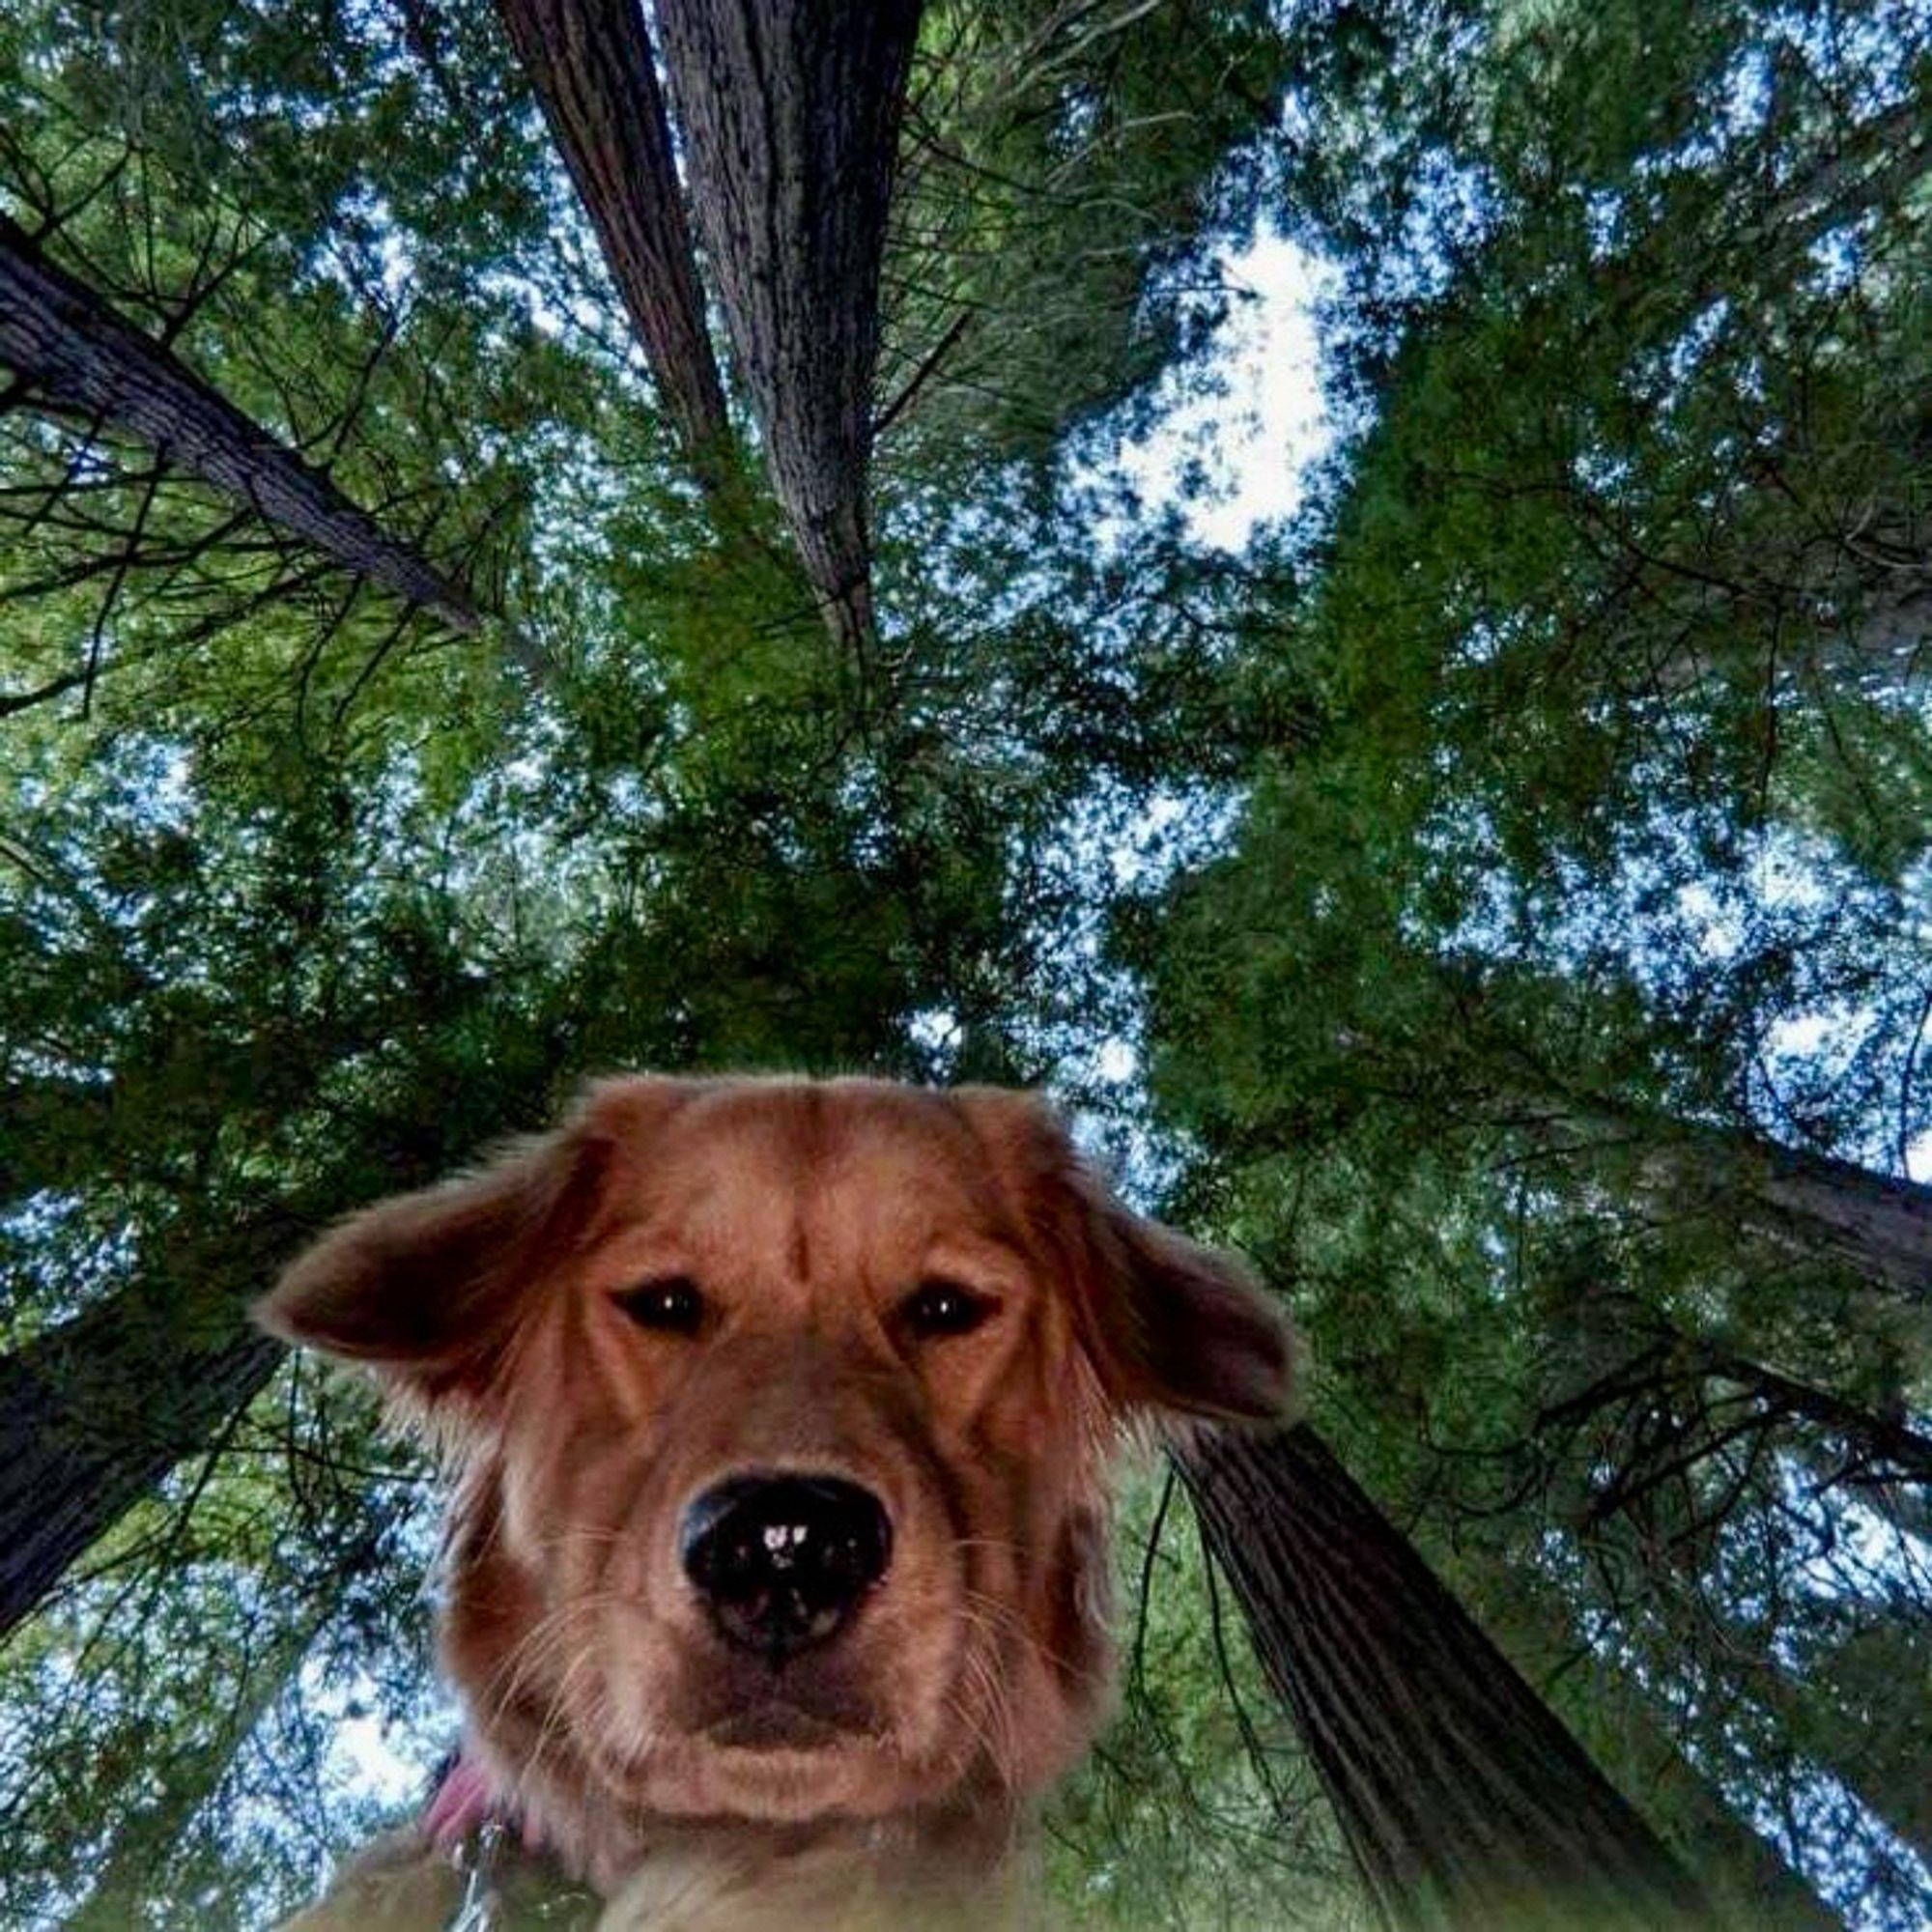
1513 875
1587 905
1197 1808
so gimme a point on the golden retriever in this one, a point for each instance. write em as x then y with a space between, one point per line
780 1415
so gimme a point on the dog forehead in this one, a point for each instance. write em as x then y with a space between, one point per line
872 1159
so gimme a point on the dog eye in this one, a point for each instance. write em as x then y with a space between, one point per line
937 1307
673 1305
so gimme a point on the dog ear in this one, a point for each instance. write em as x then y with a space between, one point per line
1171 1325
426 1287
1176 1325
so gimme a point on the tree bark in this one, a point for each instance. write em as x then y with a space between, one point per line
1878 1224
94 1412
80 356
591 66
1464 1800
790 115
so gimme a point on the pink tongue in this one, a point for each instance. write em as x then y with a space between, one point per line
462 1803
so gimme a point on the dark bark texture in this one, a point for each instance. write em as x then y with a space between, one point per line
1877 1225
94 1412
790 115
1464 1800
591 66
81 356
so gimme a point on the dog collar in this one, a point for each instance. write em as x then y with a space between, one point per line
476 1857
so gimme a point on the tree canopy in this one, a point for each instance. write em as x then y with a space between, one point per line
1495 898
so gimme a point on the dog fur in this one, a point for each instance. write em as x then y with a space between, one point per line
887 1776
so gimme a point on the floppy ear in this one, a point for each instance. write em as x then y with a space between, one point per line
1170 1325
1176 1325
426 1287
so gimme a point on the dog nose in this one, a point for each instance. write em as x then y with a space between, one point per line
782 1561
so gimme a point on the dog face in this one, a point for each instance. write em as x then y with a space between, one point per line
780 1413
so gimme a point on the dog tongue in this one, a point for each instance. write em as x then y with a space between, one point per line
463 1802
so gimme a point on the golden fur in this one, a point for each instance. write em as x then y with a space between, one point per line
652 1758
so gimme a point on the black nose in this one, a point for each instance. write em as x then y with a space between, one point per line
782 1561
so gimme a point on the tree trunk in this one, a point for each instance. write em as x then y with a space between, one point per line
1464 1800
1741 1869
1636 1735
80 356
1878 1224
94 1412
790 116
591 64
